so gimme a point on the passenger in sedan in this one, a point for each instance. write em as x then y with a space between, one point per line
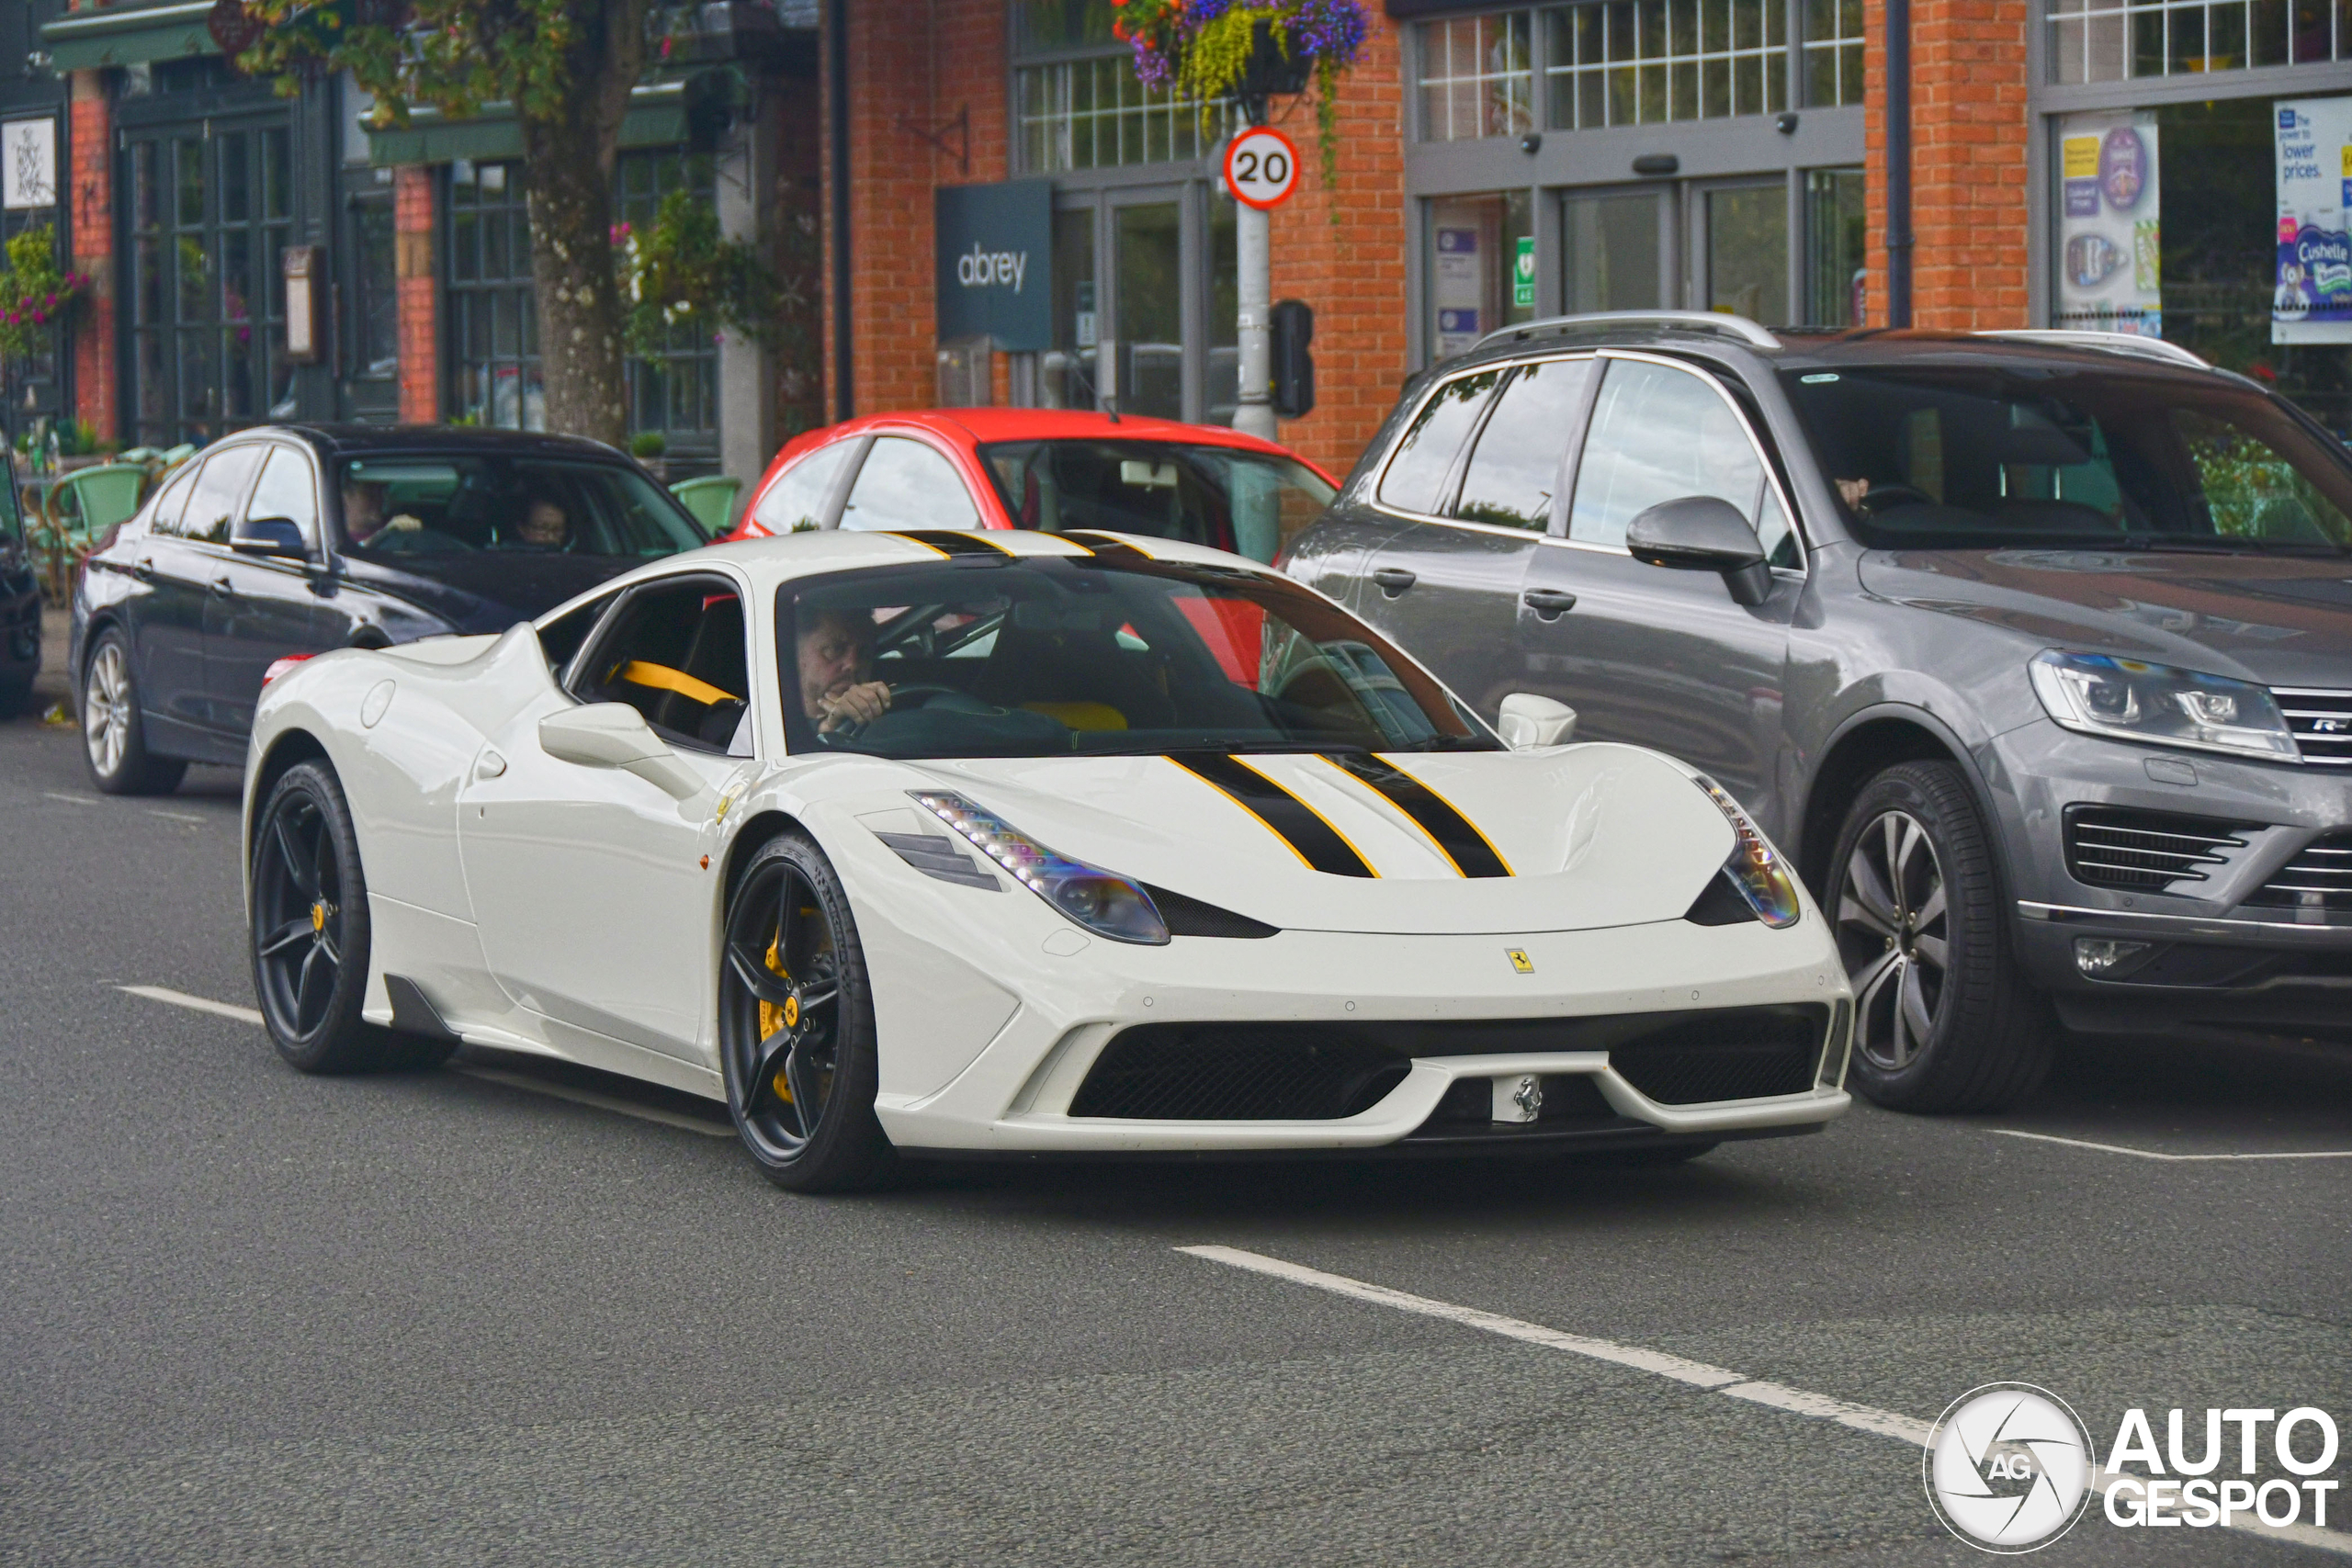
836 657
545 526
363 511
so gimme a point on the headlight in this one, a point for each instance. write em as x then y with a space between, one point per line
1755 868
1103 902
2124 699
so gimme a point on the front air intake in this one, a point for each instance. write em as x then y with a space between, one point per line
2155 852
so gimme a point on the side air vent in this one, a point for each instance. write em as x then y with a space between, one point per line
2322 721
2318 879
1192 917
2157 852
935 854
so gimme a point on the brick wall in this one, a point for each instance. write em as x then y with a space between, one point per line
90 176
1352 273
418 296
1971 189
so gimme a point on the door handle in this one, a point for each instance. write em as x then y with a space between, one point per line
1394 580
1549 604
224 587
145 571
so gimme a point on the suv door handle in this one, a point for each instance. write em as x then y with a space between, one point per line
1394 580
1549 604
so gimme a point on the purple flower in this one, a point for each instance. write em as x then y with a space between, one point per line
41 319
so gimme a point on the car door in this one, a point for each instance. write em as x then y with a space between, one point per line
1448 589
591 905
907 483
166 620
1645 654
270 607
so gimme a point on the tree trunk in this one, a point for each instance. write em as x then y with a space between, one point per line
568 151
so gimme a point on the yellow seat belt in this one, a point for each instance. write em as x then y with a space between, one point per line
638 672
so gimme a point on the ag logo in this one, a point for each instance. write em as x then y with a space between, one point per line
2008 1468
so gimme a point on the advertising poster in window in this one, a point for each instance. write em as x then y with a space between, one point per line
2109 237
2312 302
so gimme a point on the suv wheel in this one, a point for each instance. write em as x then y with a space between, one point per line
1944 1021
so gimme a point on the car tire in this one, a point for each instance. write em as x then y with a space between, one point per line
1944 1018
114 736
796 1025
311 933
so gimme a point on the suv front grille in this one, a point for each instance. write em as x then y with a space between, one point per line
2319 878
2322 721
2109 846
1260 1072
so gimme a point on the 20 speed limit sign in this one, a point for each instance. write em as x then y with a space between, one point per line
1261 167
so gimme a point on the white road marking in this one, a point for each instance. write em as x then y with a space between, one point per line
489 1075
590 1097
2152 1154
194 1004
1714 1380
179 816
71 799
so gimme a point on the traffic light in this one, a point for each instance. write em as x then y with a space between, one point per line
1293 366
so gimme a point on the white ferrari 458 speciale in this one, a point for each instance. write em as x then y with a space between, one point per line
952 844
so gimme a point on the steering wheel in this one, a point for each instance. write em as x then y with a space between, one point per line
921 694
1876 494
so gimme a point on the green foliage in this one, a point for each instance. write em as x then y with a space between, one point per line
647 443
681 271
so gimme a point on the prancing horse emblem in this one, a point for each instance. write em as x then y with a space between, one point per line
1520 961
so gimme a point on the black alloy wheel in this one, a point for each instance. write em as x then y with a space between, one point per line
311 934
114 736
796 1025
1944 1020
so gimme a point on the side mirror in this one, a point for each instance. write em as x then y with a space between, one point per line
269 536
614 735
1703 532
1529 721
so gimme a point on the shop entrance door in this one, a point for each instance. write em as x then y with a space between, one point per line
1619 248
1144 297
1739 250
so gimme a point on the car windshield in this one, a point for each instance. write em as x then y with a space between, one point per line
1956 459
1249 502
402 505
1037 657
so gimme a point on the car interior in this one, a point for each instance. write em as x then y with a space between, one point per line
437 505
674 651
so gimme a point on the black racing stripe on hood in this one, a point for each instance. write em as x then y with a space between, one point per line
952 541
1298 824
1471 852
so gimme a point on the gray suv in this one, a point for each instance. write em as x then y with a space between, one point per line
2033 651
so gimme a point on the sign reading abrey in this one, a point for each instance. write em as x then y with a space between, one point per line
994 273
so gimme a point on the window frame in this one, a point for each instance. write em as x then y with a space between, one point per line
618 604
1450 491
980 501
1762 449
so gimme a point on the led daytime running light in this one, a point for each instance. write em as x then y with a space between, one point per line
1103 902
1755 868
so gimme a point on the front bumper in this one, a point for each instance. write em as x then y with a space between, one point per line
2211 959
1013 1093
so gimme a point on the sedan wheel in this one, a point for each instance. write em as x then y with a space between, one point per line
1944 1019
113 737
796 1025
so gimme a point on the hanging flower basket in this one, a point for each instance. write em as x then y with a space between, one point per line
36 294
1251 49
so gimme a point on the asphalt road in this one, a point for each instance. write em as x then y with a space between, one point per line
247 1316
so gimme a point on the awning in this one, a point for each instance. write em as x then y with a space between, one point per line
129 35
657 117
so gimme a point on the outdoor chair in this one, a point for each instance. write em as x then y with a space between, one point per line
711 499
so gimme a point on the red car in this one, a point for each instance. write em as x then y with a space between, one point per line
1054 469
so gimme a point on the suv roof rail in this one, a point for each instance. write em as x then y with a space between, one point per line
2112 343
1740 327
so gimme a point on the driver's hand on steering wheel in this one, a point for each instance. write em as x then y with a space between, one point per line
852 706
1851 491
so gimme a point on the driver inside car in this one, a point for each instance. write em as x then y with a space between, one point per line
836 659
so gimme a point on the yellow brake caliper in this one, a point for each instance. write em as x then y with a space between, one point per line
778 1015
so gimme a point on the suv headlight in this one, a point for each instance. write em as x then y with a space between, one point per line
1755 868
2125 699
1103 902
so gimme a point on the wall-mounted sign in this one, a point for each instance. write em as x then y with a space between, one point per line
29 163
994 276
2110 237
2313 302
